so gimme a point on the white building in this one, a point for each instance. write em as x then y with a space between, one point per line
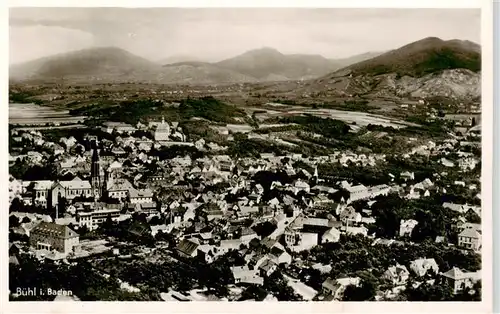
92 219
162 131
422 265
140 196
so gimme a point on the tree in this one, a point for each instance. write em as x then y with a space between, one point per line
26 220
264 229
277 285
167 237
17 205
14 221
428 292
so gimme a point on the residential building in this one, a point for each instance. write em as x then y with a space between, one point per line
267 267
332 235
119 188
422 266
460 280
119 127
406 227
140 196
92 219
188 248
51 236
41 192
279 256
470 238
244 275
336 287
357 192
397 275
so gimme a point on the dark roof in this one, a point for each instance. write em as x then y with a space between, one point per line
187 246
276 251
268 242
329 283
55 230
267 265
139 229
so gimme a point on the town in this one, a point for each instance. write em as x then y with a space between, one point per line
147 211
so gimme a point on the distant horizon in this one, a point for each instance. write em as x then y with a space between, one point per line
211 35
188 58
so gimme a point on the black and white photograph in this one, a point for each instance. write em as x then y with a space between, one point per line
246 154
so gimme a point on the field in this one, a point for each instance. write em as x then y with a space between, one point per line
31 114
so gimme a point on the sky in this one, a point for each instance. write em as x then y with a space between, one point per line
213 34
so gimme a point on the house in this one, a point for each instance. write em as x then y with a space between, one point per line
279 256
300 241
187 248
244 275
139 229
356 230
118 188
300 185
160 228
459 279
51 236
41 192
335 287
357 192
407 175
349 216
447 163
382 189
397 275
248 211
119 127
332 235
247 234
423 265
406 227
267 267
208 253
470 238
140 196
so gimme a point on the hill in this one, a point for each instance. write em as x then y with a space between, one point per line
199 73
107 62
344 62
177 59
423 57
268 62
427 68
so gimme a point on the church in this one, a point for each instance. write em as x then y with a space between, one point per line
162 131
54 192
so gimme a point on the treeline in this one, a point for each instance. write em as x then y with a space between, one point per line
134 111
81 279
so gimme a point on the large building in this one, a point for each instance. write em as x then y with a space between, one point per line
51 236
92 219
69 190
162 131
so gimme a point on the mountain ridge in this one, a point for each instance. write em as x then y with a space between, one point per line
261 65
422 57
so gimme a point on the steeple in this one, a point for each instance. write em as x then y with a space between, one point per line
162 119
95 171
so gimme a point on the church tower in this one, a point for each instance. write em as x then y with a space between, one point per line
95 171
